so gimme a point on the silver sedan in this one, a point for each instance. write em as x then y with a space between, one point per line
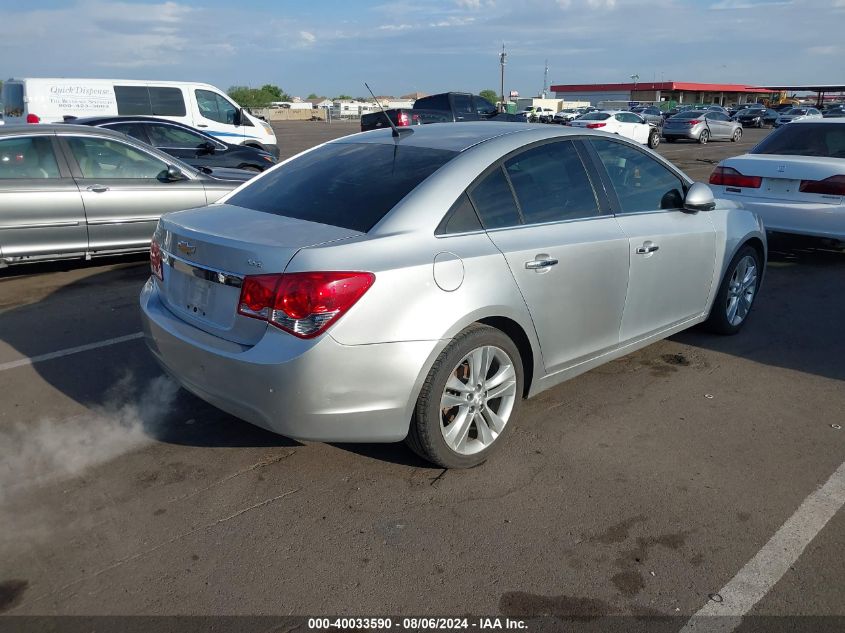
701 126
418 286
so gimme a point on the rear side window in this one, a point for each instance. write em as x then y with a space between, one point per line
130 129
494 201
13 100
463 104
141 100
461 218
174 137
27 157
551 184
343 184
434 102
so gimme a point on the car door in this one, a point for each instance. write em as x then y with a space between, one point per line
719 125
640 128
125 189
569 259
463 107
671 252
186 145
41 212
220 117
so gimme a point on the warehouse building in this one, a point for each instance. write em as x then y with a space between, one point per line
668 91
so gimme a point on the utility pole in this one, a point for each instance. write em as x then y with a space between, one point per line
546 80
502 61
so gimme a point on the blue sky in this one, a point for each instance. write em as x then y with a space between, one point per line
400 46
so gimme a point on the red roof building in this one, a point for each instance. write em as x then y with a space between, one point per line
677 91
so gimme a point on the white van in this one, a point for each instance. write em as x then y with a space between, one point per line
198 105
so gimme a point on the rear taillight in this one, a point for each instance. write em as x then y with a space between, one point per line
304 304
694 122
403 120
155 258
833 186
33 118
593 126
730 177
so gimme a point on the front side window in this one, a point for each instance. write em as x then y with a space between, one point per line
174 137
641 183
214 107
104 159
551 184
27 157
351 185
484 107
463 104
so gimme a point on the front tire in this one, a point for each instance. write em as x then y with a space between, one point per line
704 137
654 139
737 293
469 399
736 136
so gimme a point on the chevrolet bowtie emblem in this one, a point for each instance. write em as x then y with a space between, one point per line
186 248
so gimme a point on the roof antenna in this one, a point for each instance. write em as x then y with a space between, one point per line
396 131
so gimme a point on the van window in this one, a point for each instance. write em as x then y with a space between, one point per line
213 106
27 157
13 99
133 100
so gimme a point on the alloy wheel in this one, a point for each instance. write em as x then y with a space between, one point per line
478 400
741 290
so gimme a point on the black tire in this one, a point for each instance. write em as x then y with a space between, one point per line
718 321
653 139
425 437
736 135
250 168
704 137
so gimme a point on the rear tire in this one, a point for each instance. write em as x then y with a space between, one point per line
704 137
737 293
454 381
250 168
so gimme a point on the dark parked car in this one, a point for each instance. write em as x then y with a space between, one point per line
439 108
651 114
757 117
185 143
834 111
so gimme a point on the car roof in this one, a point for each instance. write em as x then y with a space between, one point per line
57 128
455 137
835 121
125 118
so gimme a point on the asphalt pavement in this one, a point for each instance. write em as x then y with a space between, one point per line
641 488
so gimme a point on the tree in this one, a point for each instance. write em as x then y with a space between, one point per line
313 96
257 97
342 98
490 95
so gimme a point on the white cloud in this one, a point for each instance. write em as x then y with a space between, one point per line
307 37
823 50
724 5
394 27
474 5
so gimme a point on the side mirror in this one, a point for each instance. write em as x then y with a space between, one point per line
208 147
173 174
237 120
699 198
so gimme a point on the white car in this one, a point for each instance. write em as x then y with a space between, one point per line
797 114
566 115
623 123
794 180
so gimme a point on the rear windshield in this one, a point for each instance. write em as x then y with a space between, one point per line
805 139
12 97
595 116
348 185
796 111
689 114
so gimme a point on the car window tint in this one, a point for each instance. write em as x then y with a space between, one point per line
463 104
167 101
641 183
434 102
461 218
27 157
12 99
484 107
174 137
130 129
551 184
352 185
105 159
805 139
494 201
213 106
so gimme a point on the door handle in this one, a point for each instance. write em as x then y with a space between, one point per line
535 264
97 188
202 125
647 248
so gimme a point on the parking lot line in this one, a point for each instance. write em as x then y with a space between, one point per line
69 351
769 565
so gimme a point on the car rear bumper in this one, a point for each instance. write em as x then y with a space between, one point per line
813 219
304 389
690 133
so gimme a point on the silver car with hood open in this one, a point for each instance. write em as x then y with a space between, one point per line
418 285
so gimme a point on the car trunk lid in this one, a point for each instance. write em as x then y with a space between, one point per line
782 175
208 251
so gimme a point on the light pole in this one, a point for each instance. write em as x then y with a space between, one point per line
634 78
502 61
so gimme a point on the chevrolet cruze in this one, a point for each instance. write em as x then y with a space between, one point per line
417 286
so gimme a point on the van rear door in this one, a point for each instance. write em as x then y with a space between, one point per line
13 102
